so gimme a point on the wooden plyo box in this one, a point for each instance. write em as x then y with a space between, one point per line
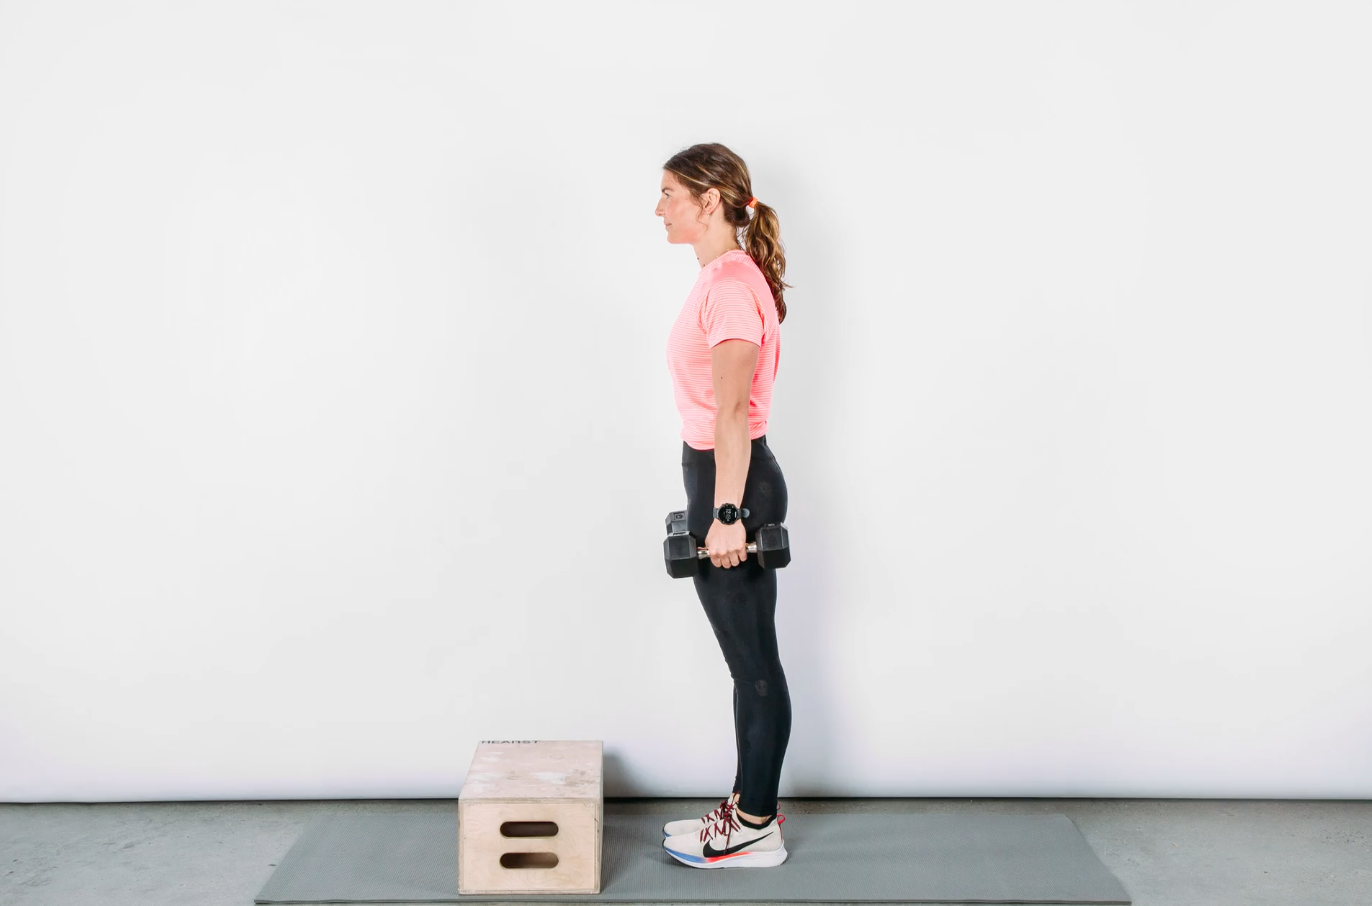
530 816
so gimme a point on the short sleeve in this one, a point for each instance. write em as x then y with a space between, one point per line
730 312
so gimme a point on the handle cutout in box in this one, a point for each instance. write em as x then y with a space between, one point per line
528 829
528 860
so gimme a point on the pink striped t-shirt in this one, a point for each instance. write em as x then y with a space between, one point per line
730 300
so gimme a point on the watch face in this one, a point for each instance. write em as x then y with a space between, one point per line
728 513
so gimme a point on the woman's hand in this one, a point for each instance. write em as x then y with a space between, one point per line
728 544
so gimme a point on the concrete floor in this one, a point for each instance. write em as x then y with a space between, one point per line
1168 852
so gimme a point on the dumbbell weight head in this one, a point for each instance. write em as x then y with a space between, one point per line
679 547
773 545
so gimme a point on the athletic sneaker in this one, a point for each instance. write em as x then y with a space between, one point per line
687 825
729 843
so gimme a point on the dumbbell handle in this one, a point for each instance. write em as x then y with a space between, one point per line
703 552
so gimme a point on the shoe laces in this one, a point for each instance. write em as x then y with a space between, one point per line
718 812
724 826
728 822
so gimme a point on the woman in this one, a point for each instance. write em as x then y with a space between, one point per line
722 356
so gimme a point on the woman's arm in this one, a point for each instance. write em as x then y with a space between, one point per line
733 362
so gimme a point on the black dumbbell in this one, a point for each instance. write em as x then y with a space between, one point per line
772 547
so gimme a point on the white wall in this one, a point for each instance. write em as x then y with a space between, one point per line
338 436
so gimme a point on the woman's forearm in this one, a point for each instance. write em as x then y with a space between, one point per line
733 450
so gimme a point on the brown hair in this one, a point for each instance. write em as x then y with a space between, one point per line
712 166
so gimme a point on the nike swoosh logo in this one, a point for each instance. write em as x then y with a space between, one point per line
710 851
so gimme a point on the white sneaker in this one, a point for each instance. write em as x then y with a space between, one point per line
729 843
687 825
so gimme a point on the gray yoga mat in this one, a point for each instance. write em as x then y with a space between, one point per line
411 857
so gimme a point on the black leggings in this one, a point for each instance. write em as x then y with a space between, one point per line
741 604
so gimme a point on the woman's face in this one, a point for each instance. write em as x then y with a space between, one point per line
682 219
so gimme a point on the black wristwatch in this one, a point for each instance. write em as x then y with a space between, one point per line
729 514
